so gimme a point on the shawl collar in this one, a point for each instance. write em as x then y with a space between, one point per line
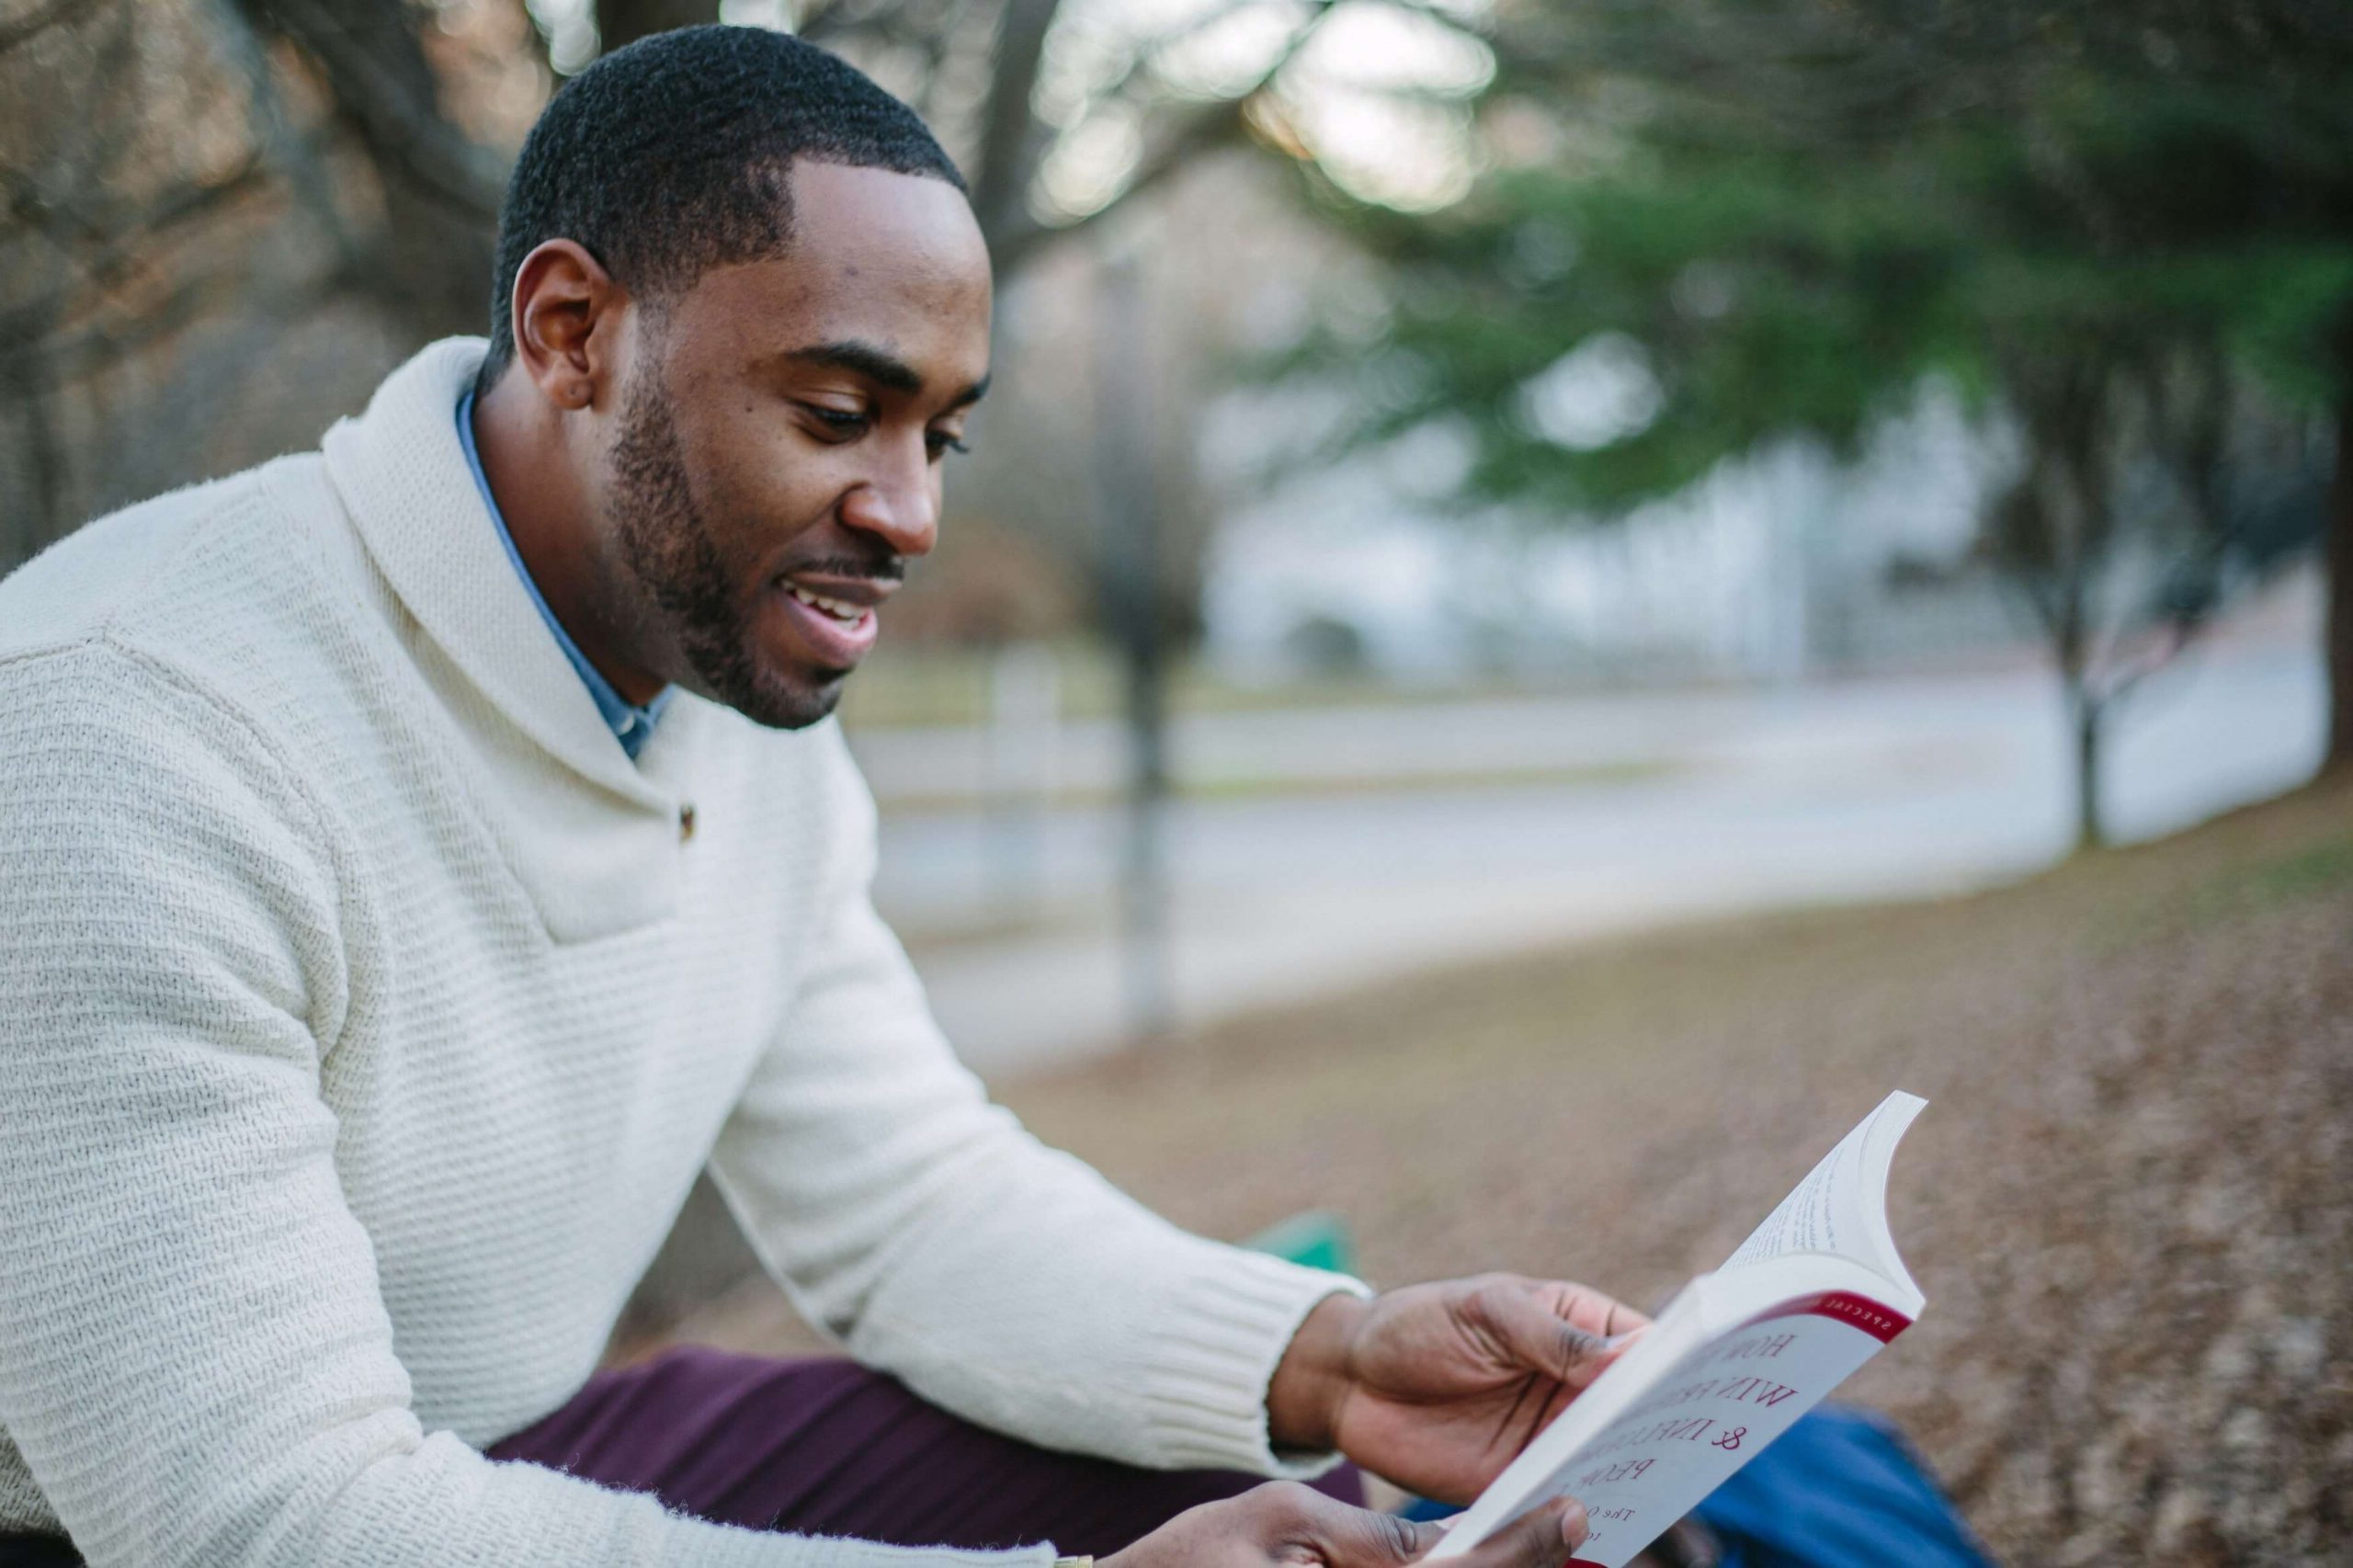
595 838
403 477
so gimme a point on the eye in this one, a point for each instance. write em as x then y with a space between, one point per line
843 423
941 443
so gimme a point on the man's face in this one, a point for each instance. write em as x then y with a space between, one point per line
777 459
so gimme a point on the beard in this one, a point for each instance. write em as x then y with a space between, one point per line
666 545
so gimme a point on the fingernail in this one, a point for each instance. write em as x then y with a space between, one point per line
1573 1523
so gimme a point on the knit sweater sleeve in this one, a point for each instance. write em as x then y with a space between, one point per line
1001 1279
196 1363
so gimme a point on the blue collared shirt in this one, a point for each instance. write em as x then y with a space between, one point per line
630 724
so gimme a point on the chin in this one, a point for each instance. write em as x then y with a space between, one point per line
791 701
772 690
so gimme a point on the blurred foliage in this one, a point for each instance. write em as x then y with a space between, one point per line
1798 208
2124 233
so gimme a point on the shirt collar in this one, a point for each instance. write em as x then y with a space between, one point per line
632 725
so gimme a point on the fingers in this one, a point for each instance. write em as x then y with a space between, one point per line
1542 1538
1285 1516
1561 1331
1338 1535
1359 1538
1590 1309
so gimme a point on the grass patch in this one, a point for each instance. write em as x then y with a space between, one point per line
2265 877
1616 773
929 685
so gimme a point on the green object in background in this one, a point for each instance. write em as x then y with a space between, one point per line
1317 1239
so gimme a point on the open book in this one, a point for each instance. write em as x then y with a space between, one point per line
1737 1356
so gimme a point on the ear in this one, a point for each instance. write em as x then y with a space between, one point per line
567 320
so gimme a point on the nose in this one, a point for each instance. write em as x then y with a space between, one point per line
899 506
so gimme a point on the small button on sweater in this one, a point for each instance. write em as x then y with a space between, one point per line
365 1013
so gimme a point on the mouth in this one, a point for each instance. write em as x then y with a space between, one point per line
840 609
833 618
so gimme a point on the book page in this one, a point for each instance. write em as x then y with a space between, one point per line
1840 1206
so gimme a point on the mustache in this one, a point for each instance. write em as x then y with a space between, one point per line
882 565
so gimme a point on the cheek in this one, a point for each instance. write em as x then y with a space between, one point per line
763 513
755 488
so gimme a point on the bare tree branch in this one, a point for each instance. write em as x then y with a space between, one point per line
1019 232
123 246
830 20
74 356
379 78
39 19
1206 129
1011 137
429 258
2179 631
293 154
621 22
72 221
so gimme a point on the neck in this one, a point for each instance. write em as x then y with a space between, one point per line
533 472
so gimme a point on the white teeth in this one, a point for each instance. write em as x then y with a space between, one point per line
834 608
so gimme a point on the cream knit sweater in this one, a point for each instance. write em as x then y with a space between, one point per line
364 1014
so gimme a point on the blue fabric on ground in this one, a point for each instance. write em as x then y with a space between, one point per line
1839 1489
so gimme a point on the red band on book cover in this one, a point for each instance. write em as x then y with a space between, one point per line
1880 1321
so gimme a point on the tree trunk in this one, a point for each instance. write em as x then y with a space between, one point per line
2091 831
2337 556
1009 134
1130 505
623 22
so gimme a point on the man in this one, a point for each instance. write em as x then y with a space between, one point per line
420 858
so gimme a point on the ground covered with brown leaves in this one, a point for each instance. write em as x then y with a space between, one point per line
2129 1203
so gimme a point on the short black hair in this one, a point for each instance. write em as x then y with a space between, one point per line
674 155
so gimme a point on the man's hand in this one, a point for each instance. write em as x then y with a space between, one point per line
1438 1386
1286 1523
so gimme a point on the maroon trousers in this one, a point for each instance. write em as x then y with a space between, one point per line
828 1448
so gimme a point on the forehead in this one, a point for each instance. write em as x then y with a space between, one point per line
891 259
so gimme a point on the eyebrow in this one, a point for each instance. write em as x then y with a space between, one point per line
880 366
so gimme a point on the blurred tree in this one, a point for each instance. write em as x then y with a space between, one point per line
1746 222
200 192
363 145
439 188
620 22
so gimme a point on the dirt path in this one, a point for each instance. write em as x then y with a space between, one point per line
2131 1202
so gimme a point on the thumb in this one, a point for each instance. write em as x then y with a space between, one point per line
1542 1537
1543 1340
1361 1537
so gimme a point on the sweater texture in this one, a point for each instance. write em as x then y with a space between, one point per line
367 1014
